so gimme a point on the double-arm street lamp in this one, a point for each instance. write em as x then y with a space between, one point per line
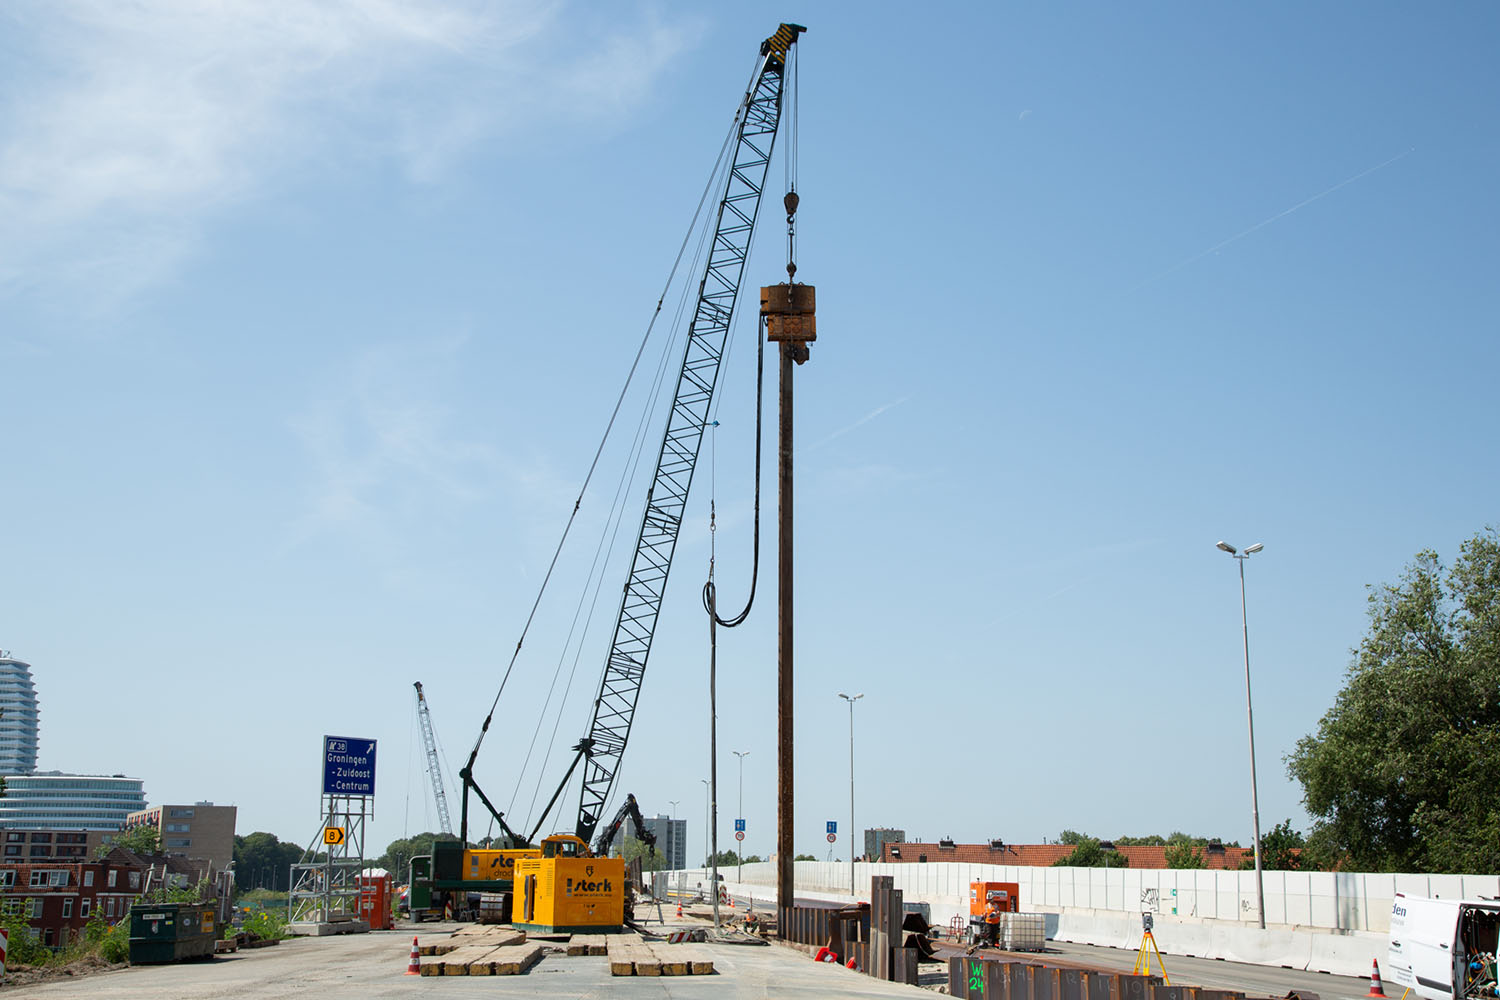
1240 557
851 700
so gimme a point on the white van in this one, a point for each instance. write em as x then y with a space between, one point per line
1444 949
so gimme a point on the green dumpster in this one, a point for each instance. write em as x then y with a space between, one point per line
171 932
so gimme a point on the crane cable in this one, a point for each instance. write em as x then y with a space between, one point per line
650 326
710 591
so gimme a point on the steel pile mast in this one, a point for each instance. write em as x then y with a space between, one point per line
434 770
625 668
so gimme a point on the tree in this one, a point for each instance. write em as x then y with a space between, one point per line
140 839
260 859
652 860
1400 773
802 857
1088 852
1153 840
1280 849
398 854
1183 854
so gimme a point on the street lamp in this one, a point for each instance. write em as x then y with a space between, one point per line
740 813
1240 557
706 848
851 701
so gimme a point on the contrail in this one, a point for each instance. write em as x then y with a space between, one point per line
1279 215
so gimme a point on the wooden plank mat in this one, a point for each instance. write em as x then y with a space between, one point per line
588 944
495 937
512 960
455 962
621 957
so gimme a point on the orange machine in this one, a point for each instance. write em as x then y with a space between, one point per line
1009 896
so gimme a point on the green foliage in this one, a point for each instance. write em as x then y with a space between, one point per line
1152 840
202 892
1401 771
24 949
398 854
1088 852
261 860
755 859
140 839
1184 853
801 857
266 925
1279 849
652 860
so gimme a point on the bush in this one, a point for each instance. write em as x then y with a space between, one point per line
266 925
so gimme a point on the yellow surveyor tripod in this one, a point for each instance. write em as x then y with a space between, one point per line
1147 949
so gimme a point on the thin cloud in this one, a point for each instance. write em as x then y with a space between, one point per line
129 126
861 421
1266 222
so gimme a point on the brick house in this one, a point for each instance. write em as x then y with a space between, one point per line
59 896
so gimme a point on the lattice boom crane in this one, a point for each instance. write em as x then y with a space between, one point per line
434 769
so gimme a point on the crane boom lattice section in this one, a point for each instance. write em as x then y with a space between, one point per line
434 769
665 502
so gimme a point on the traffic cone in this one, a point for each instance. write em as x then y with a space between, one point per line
731 902
414 966
679 907
1375 988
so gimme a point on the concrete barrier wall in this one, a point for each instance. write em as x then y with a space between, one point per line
1323 921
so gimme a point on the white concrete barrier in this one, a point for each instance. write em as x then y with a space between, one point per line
1320 921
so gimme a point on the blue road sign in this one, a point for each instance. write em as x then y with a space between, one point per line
348 766
739 826
833 826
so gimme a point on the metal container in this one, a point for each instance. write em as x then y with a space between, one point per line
171 932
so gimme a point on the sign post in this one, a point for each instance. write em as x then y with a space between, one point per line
327 890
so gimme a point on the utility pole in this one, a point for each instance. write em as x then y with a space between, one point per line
740 813
788 313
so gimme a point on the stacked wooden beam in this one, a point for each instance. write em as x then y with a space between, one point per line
486 951
630 955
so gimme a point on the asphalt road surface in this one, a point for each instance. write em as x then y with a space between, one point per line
1255 980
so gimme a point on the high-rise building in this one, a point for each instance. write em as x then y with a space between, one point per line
52 800
877 838
202 831
18 717
671 839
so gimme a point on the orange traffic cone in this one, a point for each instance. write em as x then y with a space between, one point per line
1375 988
731 902
679 907
414 966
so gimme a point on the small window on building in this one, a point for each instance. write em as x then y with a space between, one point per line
135 880
41 838
88 877
179 842
109 907
112 874
181 813
68 908
12 850
41 850
83 907
14 838
7 878
35 911
47 937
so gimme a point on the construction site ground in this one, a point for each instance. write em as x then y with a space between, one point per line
374 965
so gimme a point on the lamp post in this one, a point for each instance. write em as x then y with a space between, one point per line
1240 557
851 701
706 821
672 840
740 813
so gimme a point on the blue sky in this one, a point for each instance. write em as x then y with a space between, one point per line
311 320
